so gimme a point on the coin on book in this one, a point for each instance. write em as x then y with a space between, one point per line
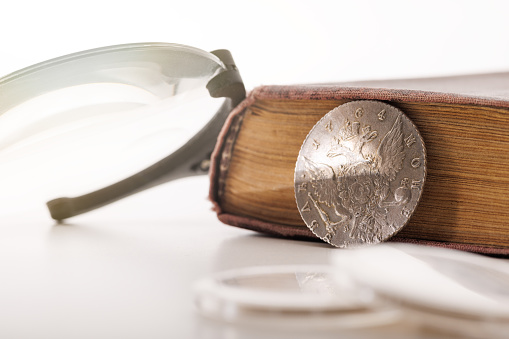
360 174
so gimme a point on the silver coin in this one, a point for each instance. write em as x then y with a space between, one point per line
360 174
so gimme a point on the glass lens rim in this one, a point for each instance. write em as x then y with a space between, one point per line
27 71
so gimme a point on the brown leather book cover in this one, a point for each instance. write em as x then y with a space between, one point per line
477 91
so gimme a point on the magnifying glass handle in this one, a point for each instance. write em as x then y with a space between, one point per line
191 159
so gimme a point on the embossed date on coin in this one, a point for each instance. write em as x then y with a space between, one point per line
363 166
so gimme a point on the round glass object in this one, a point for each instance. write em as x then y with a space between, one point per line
83 121
292 297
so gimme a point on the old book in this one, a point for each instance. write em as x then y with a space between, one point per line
463 120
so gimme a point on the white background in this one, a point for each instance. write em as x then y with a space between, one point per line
275 42
126 270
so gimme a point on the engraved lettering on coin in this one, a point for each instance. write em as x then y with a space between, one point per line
410 140
362 184
306 208
416 162
313 225
303 186
416 184
328 127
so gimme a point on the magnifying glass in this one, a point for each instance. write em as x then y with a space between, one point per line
96 96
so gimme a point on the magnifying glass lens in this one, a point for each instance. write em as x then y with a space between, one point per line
83 121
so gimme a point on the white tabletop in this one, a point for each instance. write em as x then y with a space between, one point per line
127 270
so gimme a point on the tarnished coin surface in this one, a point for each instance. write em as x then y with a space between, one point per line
360 174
